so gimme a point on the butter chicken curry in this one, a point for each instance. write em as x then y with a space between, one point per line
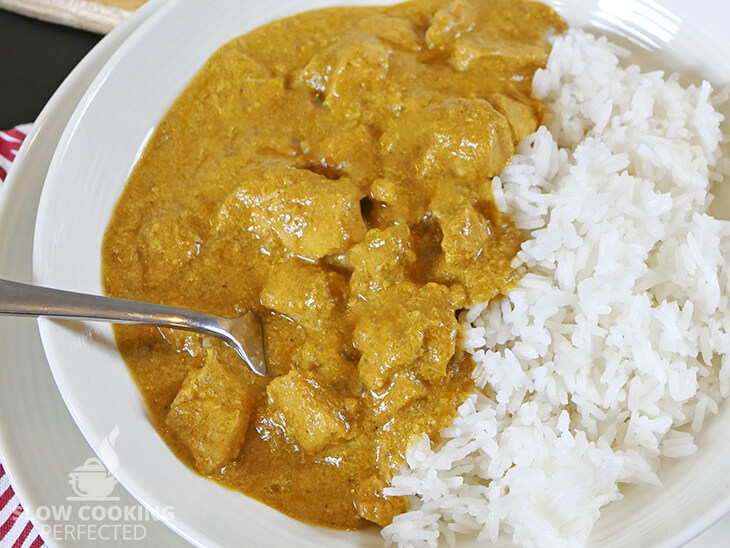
332 172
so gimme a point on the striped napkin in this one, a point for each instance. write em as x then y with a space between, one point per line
16 531
10 142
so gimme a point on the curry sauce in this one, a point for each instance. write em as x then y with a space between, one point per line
331 171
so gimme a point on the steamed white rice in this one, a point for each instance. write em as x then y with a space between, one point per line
600 363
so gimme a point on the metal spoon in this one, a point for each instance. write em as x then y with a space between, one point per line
244 334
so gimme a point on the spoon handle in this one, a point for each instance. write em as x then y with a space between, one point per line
244 335
30 300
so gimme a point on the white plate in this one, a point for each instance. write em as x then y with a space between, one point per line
114 120
39 443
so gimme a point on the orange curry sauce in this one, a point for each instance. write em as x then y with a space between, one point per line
332 171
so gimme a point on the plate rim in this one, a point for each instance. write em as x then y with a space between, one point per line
689 532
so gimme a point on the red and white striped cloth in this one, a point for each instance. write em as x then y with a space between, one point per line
10 142
16 531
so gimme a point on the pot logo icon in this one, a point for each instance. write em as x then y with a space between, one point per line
92 481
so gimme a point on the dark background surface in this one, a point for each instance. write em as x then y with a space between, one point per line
35 57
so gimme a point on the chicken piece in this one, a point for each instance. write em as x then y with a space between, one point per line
316 416
167 241
522 119
477 253
446 138
381 260
344 76
353 152
403 391
468 138
374 506
361 66
494 54
447 24
308 294
520 30
184 341
410 328
398 201
311 215
397 31
465 234
315 75
331 354
210 415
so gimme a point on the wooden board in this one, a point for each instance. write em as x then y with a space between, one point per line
94 15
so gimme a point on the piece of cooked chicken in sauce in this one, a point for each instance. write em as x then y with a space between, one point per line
331 171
